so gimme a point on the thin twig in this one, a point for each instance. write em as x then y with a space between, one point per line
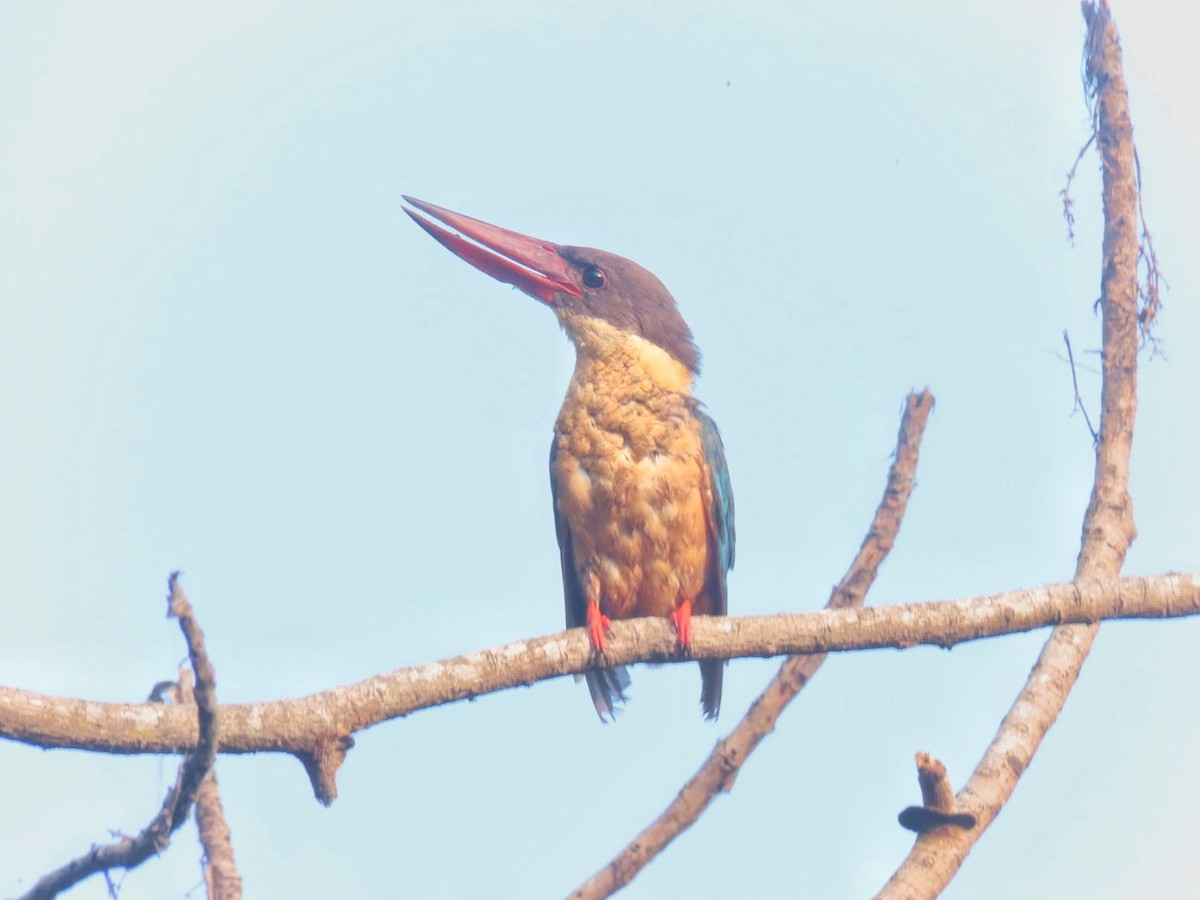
1150 287
1068 203
718 772
1075 384
127 853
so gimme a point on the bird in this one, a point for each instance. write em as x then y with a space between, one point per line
643 507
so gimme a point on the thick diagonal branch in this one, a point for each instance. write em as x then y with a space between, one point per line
1108 527
720 769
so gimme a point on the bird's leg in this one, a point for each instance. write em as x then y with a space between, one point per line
597 624
682 617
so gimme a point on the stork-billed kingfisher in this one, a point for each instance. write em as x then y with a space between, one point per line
642 502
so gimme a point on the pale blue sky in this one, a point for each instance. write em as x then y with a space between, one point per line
228 351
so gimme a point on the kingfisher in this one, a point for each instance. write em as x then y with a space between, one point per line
643 507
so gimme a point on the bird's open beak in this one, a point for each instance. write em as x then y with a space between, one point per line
533 265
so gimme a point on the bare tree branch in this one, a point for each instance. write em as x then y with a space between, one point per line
128 853
221 877
1108 527
718 772
301 726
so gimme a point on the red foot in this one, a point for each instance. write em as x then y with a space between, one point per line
597 624
682 617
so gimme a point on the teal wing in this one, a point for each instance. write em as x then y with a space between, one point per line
721 532
720 516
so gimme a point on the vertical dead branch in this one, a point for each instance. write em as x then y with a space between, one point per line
727 757
1108 527
221 877
128 853
220 867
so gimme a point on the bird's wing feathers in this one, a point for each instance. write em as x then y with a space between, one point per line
576 603
607 686
719 501
720 511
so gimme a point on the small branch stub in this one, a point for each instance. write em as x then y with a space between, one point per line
938 807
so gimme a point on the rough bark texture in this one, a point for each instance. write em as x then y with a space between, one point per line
221 874
1108 527
301 726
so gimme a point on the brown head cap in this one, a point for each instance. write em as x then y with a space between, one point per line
628 297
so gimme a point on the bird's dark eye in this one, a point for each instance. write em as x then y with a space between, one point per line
594 277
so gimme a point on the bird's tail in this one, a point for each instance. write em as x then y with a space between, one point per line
607 687
712 675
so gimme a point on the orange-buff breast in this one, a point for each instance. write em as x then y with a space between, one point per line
634 493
